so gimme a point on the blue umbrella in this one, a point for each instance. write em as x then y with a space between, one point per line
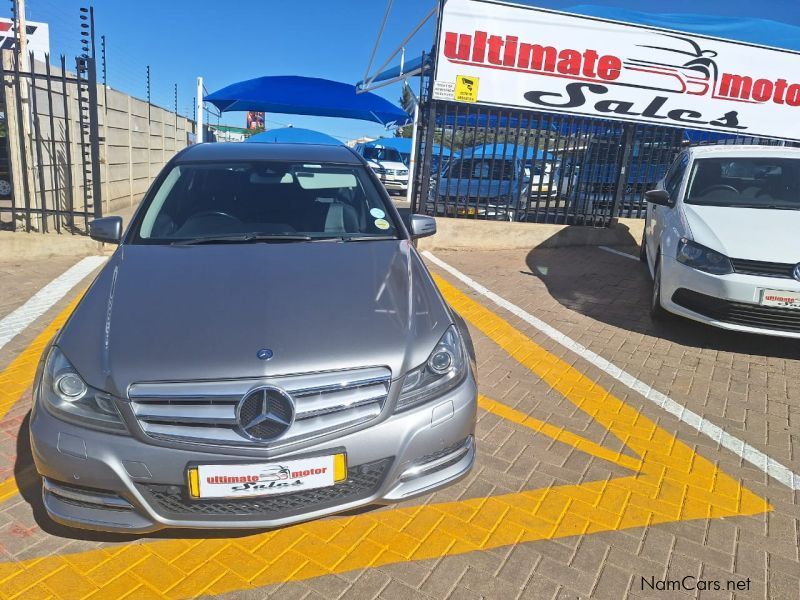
294 135
307 96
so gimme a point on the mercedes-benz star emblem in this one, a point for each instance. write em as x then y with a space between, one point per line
265 413
797 272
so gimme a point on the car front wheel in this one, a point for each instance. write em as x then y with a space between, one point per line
643 248
657 312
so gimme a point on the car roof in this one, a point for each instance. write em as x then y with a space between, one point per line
236 151
744 150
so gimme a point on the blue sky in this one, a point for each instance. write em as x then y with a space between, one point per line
230 41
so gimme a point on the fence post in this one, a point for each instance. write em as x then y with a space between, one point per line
94 141
424 184
622 177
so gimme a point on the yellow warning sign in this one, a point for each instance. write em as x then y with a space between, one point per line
466 88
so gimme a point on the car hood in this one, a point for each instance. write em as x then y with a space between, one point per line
747 233
177 313
390 164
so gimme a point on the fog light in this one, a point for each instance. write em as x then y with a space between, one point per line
440 362
70 387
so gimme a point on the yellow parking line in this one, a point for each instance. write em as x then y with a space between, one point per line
8 489
18 376
670 483
559 434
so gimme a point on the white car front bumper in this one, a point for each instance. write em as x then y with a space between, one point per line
727 301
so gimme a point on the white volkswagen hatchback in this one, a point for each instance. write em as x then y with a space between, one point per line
722 239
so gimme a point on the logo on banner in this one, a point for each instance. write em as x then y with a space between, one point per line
679 67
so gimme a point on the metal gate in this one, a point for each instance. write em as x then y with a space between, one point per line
481 162
50 146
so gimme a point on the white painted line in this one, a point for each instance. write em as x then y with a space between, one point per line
14 323
618 253
754 456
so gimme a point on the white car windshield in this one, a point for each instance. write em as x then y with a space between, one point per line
745 182
488 169
249 200
382 154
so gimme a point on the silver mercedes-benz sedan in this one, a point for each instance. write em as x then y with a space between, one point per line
264 347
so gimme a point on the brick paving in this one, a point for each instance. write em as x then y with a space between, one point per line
748 386
19 280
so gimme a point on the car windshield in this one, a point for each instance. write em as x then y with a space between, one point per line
482 168
382 154
745 182
263 200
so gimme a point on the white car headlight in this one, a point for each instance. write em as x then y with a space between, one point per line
67 396
445 368
701 258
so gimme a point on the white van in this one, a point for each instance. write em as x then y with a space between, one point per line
387 164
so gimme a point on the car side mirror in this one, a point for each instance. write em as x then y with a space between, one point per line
421 226
107 229
660 197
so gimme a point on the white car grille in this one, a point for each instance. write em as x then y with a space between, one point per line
205 411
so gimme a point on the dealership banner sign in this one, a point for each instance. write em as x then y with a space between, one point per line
522 57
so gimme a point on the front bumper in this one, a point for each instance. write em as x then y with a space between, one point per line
98 480
395 186
735 288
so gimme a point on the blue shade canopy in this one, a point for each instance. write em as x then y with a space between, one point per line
294 135
295 95
763 32
506 151
411 67
403 145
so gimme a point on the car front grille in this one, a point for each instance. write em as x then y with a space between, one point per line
763 269
739 313
174 502
205 411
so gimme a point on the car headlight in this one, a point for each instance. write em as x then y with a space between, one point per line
701 258
66 396
445 368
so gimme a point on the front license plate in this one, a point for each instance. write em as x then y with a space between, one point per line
266 479
780 299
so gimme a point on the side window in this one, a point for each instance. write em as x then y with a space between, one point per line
672 182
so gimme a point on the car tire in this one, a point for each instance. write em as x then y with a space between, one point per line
657 312
643 249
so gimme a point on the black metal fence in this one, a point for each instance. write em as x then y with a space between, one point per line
486 163
49 142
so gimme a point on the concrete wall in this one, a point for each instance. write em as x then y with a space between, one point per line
139 140
136 141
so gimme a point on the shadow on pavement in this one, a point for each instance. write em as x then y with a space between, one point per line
615 290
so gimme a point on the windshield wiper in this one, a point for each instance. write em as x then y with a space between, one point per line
366 238
351 238
245 238
765 206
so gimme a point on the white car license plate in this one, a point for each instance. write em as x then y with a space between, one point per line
266 479
780 299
